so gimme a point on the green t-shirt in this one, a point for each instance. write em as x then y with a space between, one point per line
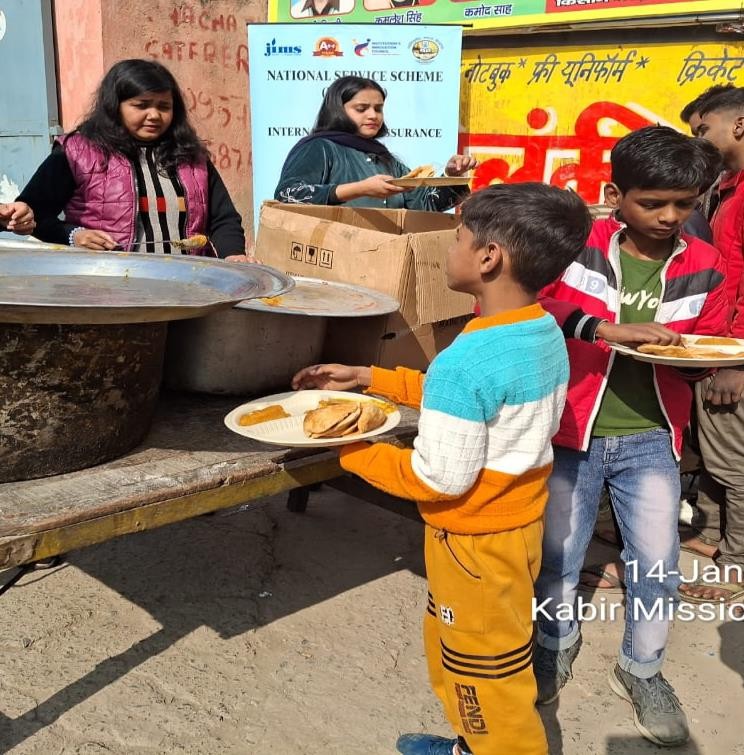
630 404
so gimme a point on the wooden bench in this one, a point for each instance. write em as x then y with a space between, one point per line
190 464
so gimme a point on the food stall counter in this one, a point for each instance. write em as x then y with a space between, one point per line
188 465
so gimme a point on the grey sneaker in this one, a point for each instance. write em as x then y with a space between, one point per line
552 670
657 712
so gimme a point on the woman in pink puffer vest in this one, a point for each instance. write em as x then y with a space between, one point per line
134 175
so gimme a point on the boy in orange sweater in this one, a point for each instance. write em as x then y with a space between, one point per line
479 466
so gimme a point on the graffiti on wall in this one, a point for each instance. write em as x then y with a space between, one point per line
204 39
553 116
205 46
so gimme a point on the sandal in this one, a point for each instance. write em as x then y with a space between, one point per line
617 586
735 592
691 536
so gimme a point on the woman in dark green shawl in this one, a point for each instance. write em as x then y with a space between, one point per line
342 161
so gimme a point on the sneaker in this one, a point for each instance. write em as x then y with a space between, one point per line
552 670
657 712
427 744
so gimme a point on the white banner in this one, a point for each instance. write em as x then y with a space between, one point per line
291 66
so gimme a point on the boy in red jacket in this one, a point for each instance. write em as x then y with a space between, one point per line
639 280
718 116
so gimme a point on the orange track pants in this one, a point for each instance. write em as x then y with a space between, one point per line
478 635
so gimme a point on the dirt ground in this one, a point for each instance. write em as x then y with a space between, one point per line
263 631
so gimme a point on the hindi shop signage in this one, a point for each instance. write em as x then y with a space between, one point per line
487 14
553 115
292 66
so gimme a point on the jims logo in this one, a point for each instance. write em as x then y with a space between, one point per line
425 50
272 48
327 47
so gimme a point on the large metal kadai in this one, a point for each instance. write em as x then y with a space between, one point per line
72 396
45 284
82 342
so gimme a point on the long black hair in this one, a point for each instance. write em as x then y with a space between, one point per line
332 116
131 78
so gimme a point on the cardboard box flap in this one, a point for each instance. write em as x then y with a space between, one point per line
434 300
418 221
396 222
307 210
322 221
384 221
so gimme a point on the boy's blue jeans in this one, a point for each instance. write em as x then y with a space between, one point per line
643 479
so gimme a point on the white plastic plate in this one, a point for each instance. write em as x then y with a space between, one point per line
736 349
288 431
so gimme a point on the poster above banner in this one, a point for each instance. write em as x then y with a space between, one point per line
292 66
487 14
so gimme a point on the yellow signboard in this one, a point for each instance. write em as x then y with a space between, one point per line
487 14
553 114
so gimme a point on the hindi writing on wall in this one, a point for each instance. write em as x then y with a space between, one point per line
539 114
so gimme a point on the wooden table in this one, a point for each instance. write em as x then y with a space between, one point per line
190 464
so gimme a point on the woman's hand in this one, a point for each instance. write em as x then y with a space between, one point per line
375 186
247 257
17 217
459 164
647 332
332 377
96 240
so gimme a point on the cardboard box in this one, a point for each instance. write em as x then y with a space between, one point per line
388 341
399 252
